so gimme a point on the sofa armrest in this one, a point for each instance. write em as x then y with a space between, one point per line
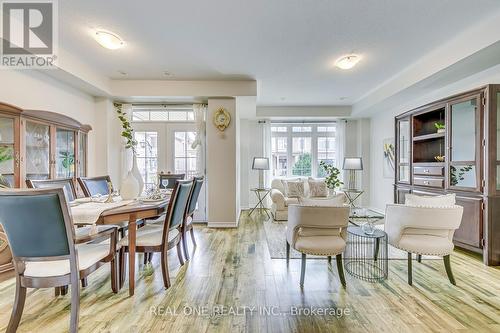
278 199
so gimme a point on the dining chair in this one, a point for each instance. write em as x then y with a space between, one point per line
44 250
317 230
167 180
187 226
162 237
95 185
65 183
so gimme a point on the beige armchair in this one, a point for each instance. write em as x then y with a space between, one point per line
423 231
318 231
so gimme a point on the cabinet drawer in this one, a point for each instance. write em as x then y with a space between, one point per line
431 182
428 171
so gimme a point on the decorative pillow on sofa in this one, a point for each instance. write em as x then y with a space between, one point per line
446 200
317 188
338 200
295 189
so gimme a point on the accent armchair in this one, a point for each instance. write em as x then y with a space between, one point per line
423 231
317 230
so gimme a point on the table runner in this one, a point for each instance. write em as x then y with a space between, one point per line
89 213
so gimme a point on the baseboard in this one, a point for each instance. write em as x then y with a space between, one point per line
222 224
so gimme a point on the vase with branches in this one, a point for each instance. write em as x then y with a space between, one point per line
332 178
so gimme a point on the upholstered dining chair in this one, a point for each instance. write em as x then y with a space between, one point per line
423 231
317 230
187 226
43 247
162 237
167 180
94 185
65 183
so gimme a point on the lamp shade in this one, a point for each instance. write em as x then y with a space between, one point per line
260 163
353 163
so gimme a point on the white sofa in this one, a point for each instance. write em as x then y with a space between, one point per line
280 201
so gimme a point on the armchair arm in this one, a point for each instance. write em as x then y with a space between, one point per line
400 217
278 199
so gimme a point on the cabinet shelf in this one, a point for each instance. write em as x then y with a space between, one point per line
432 136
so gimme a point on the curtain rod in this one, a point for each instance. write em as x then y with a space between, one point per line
303 122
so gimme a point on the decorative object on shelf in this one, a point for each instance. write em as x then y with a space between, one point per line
439 158
458 175
130 187
67 160
389 158
261 164
332 178
440 127
352 164
222 118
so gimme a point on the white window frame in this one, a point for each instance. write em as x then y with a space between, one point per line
314 135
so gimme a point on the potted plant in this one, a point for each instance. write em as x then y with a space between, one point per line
332 178
440 127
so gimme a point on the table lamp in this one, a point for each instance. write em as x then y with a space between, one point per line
261 164
352 164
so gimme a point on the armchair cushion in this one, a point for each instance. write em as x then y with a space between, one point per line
320 245
446 200
426 244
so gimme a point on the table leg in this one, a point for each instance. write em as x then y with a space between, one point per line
132 231
377 246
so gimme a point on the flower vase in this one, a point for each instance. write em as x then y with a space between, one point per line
135 171
130 187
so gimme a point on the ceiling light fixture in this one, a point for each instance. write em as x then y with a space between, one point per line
348 61
109 40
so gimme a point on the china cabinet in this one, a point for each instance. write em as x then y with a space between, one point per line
38 145
453 146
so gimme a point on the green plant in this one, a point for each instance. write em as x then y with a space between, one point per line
303 166
332 178
6 154
68 159
439 126
455 175
127 130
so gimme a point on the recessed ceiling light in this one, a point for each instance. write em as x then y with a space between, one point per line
108 40
348 61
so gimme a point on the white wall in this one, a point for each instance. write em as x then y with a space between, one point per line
29 89
382 126
251 146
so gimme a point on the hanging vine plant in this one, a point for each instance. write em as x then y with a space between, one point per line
127 130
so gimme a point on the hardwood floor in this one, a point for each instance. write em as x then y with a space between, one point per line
231 269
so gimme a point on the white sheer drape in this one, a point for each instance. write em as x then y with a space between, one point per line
340 143
267 150
200 111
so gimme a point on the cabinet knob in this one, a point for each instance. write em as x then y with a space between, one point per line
426 182
427 170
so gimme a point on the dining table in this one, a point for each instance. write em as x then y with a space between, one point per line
131 212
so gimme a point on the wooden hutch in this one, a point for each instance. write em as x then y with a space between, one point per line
38 145
460 155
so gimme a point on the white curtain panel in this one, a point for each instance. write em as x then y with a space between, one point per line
340 146
200 111
126 154
267 150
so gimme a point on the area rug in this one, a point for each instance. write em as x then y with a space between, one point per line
276 242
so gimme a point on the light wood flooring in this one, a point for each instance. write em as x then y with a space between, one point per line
231 270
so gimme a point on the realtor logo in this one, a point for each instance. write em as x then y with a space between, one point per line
29 34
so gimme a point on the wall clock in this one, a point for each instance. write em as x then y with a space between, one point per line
222 118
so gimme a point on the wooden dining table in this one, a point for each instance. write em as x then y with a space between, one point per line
132 212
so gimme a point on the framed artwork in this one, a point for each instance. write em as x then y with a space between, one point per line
389 158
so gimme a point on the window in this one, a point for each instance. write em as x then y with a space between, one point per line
185 156
297 150
147 157
162 113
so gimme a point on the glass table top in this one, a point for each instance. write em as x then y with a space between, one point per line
362 214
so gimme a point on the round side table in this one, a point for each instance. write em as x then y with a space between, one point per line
366 255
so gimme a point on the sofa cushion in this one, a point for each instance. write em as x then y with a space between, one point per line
446 200
291 201
317 188
295 189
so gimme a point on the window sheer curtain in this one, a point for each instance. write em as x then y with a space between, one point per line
267 150
340 143
200 111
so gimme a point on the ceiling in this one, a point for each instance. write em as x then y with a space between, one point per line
288 46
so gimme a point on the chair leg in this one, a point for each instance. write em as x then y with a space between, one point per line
447 266
75 304
17 309
64 290
164 269
184 245
409 269
340 268
419 257
329 259
114 275
179 253
85 283
122 267
287 253
303 269
57 291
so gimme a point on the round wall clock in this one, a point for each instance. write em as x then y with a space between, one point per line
222 118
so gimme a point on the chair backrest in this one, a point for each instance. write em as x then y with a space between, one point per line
94 185
197 185
167 180
66 184
177 206
37 224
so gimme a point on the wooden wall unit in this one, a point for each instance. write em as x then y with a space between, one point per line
464 159
38 145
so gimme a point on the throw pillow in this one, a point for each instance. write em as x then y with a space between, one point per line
295 189
446 200
338 200
317 188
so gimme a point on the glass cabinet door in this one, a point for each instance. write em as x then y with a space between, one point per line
7 155
37 150
463 141
82 154
403 156
65 153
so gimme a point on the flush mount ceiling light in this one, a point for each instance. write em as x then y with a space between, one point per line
348 61
108 40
